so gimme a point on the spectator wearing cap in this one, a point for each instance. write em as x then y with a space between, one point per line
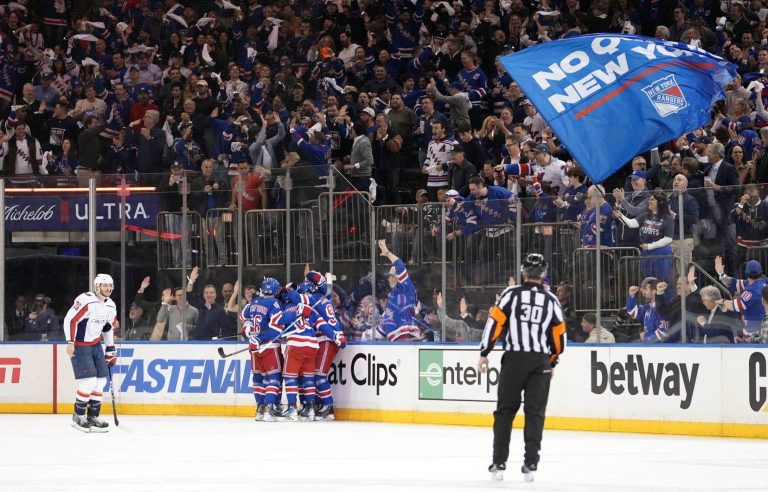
595 334
137 326
368 117
639 164
46 92
552 170
140 108
185 150
461 170
533 120
457 101
204 102
361 160
749 292
631 205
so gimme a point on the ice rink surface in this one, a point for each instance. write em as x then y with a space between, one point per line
43 453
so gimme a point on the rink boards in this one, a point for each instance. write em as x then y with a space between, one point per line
695 390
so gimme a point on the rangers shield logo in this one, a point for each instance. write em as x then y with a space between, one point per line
666 96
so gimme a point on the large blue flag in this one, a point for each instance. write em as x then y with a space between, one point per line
611 97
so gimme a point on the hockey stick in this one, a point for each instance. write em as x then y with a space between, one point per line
224 355
112 392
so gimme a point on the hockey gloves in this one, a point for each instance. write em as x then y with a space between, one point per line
110 354
340 339
303 310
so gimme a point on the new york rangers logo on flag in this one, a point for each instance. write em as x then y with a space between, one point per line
666 96
610 97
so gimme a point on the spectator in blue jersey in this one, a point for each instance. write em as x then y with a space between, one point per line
494 208
655 239
397 324
749 292
185 150
655 326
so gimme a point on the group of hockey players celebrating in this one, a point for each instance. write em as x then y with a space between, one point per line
301 318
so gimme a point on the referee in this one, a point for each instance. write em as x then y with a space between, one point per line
529 321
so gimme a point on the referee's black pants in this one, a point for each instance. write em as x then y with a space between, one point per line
527 372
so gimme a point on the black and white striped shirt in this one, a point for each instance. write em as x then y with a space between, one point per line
527 318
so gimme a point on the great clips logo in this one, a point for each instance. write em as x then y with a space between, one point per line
10 370
758 394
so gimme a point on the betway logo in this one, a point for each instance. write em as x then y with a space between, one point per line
673 379
12 365
183 375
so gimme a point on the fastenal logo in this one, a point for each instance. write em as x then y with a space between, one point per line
666 96
12 363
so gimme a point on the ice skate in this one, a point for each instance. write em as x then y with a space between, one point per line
307 413
80 422
290 413
98 425
528 471
325 412
497 471
272 413
261 408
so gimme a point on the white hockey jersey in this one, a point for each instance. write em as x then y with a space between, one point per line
554 174
88 320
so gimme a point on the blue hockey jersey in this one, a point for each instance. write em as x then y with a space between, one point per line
397 322
655 326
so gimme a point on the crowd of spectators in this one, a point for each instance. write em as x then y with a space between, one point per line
388 94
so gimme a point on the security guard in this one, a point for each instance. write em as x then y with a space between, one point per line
529 321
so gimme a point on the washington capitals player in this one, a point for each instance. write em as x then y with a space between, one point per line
261 327
397 324
327 347
89 322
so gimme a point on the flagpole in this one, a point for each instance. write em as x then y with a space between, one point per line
598 282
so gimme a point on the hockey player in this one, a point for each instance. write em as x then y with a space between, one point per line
301 354
327 347
88 323
397 323
261 327
749 302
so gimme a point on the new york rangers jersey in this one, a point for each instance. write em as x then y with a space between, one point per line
397 323
655 326
749 303
262 321
90 320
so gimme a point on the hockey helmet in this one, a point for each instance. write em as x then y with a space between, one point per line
103 279
534 266
270 286
306 288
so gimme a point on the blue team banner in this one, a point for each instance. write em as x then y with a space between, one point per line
36 212
611 97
